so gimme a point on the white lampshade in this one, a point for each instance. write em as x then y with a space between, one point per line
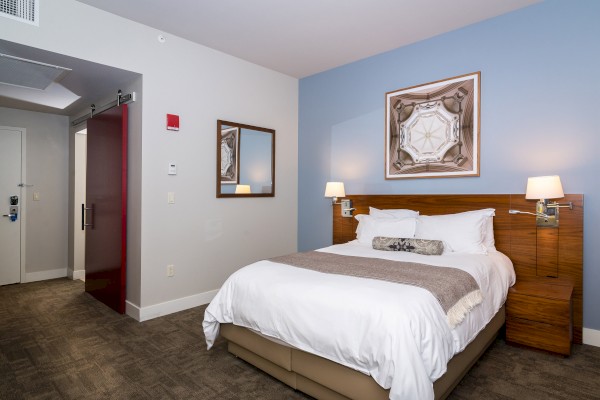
242 189
544 187
335 189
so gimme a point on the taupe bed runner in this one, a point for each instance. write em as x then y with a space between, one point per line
456 290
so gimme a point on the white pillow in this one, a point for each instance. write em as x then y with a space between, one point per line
369 227
393 213
488 236
359 218
461 233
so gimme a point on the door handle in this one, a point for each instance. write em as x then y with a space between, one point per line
12 217
83 210
13 210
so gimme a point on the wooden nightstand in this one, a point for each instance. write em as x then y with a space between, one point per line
539 314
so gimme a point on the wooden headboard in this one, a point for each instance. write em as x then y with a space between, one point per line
534 251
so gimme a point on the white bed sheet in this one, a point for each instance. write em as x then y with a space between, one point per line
396 333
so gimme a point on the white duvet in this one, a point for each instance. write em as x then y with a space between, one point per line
396 333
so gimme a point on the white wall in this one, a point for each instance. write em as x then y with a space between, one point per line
47 170
205 237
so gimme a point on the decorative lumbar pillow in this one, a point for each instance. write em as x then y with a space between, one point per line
411 245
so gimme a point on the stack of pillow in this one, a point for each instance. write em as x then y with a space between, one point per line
467 232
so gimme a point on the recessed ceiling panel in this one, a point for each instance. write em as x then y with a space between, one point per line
55 95
84 83
28 73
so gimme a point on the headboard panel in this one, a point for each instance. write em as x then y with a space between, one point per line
534 251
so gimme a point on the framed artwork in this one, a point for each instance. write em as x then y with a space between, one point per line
432 130
230 149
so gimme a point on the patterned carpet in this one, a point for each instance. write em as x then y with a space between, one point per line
56 342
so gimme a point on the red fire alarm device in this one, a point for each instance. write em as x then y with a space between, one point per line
172 122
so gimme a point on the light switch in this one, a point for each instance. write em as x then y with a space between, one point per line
347 209
36 196
172 168
171 197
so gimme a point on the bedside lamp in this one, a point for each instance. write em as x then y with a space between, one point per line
334 190
544 188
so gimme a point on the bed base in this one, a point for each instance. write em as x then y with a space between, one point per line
326 380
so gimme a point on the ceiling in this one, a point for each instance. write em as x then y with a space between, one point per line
298 38
301 38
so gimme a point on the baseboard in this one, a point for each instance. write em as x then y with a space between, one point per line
132 310
168 307
591 337
77 274
45 275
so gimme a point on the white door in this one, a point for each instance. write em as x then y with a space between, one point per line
10 227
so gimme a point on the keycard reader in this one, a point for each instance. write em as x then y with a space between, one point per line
13 210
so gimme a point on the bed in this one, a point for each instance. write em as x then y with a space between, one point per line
326 357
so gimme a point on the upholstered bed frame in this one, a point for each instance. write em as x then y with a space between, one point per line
516 236
327 380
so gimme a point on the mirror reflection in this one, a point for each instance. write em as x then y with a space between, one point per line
245 160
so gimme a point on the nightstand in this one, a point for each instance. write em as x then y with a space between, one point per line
539 314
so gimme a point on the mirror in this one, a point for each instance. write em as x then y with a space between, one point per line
245 160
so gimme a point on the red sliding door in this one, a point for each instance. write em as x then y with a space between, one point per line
106 208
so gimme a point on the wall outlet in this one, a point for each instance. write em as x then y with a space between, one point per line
170 270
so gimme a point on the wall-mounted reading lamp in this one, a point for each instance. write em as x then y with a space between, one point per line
335 190
543 188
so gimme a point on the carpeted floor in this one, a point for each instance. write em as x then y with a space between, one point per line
56 342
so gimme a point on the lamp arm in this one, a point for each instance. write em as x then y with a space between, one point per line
537 214
568 205
334 201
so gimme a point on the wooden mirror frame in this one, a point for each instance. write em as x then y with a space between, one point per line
220 125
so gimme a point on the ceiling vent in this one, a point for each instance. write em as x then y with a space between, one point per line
20 10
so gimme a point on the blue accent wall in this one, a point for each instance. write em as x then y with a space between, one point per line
540 115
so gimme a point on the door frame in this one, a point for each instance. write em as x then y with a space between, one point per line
77 274
22 197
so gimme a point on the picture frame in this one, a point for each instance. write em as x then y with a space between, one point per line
433 130
230 149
